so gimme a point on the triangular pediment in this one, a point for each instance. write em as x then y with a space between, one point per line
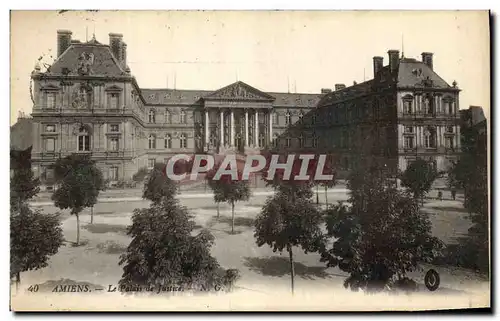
239 91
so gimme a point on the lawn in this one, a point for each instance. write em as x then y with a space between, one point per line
262 270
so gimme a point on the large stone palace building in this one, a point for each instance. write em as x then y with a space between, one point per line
88 101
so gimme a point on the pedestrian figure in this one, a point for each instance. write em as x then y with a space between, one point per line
453 194
440 195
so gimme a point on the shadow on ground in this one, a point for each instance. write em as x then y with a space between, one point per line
106 228
238 221
447 209
280 266
111 247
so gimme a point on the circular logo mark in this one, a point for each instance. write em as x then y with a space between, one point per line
432 280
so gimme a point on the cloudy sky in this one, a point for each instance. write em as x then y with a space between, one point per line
270 50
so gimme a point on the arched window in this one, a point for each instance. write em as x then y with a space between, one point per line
183 117
183 140
152 141
430 137
168 141
152 116
168 120
83 139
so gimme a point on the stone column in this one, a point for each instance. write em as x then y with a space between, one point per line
270 126
231 139
206 127
246 127
256 128
221 129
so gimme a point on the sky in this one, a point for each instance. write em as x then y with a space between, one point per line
296 51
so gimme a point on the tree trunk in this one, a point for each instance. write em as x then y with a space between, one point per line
317 195
292 268
218 212
92 215
18 281
77 229
232 217
326 196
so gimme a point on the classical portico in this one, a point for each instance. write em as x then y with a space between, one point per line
237 118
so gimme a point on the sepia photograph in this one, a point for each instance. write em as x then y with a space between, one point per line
202 160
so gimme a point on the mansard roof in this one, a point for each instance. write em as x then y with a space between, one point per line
90 58
413 73
189 97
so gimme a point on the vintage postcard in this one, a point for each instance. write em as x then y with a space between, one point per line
249 160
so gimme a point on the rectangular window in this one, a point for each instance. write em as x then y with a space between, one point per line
151 163
114 144
114 128
449 142
50 128
50 144
408 129
113 101
113 173
83 143
449 129
51 100
275 118
409 142
407 107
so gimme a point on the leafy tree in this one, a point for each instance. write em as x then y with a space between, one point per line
209 177
23 186
163 251
230 190
158 185
328 169
470 174
381 236
141 174
80 183
418 178
285 222
34 237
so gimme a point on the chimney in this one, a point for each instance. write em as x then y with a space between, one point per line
326 90
427 59
124 54
115 43
393 59
339 87
378 64
63 41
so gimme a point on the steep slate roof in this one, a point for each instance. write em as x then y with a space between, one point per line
21 134
408 74
105 64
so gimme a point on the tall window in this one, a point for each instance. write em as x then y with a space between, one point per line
151 163
168 141
262 140
449 142
113 173
113 101
288 142
183 140
301 141
168 120
152 141
83 140
50 144
114 144
183 117
429 104
51 100
275 118
409 142
315 141
275 140
430 138
407 106
152 116
288 118
313 118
